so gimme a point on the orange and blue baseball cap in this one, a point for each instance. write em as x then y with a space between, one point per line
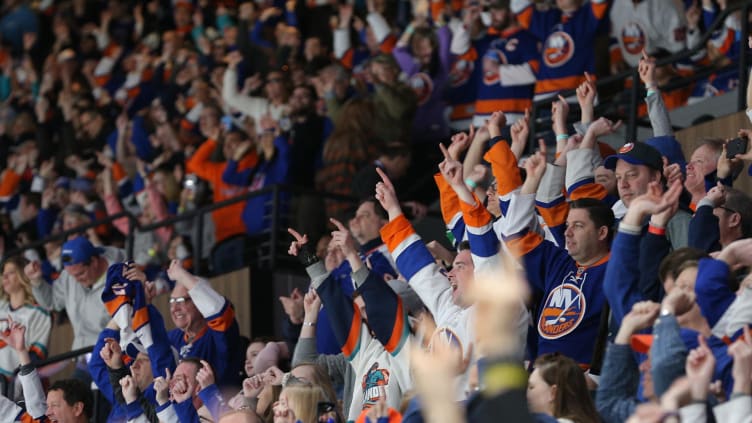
636 153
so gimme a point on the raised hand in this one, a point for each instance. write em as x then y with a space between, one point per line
311 304
678 301
387 196
129 388
603 126
300 241
559 113
112 354
342 239
450 168
586 92
273 376
741 351
717 195
646 68
14 336
494 124
725 166
535 165
641 316
133 273
748 155
162 387
700 367
669 200
253 386
460 142
520 131
205 375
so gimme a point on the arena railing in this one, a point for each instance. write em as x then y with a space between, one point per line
540 116
271 239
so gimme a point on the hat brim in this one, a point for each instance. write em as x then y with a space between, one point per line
610 162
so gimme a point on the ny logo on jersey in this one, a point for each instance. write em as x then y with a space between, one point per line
558 49
563 310
633 38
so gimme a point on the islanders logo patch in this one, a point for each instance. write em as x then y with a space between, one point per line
491 61
633 38
562 312
558 49
422 85
460 72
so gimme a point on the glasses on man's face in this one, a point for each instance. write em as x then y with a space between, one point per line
732 211
179 300
66 258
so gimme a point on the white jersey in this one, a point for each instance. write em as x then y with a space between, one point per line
38 324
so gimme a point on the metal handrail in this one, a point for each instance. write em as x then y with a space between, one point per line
636 88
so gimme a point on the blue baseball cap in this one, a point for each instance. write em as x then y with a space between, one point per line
78 250
636 153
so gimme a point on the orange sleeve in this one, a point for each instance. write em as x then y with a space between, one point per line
200 164
589 190
450 204
9 184
396 231
555 215
599 9
118 173
525 18
504 167
524 244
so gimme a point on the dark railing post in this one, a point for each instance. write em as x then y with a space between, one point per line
743 59
274 227
129 244
634 95
198 249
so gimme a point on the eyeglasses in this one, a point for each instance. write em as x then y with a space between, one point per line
67 258
179 300
727 209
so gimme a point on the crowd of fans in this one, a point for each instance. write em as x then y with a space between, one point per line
585 284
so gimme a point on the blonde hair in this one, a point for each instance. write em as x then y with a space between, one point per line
19 263
304 400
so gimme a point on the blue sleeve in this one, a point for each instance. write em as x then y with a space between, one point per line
160 352
668 354
653 249
257 36
620 285
133 410
703 230
387 316
291 17
212 399
342 315
616 397
45 221
281 164
233 177
713 293
140 140
138 183
186 412
98 368
380 265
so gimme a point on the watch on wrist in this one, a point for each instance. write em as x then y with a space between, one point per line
665 311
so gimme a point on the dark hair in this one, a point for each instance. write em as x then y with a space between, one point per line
311 90
33 198
74 391
430 35
741 203
572 400
464 245
193 360
392 150
677 261
599 213
376 207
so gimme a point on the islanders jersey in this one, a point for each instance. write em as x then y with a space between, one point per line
509 66
568 40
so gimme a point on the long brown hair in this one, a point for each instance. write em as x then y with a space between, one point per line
572 400
19 262
353 135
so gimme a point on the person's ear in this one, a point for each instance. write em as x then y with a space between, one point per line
552 393
78 408
734 220
602 233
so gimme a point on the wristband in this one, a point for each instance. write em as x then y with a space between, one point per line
309 323
470 183
409 29
656 230
25 369
650 92
562 137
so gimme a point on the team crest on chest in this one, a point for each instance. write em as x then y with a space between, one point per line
374 385
558 49
563 311
633 38
460 72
